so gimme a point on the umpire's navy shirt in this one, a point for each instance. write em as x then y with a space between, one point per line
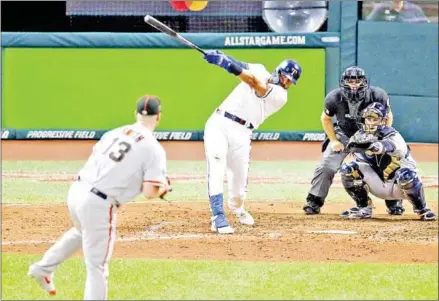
337 105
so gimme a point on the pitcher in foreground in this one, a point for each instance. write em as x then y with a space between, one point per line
228 131
125 163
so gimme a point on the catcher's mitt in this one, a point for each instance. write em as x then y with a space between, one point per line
360 142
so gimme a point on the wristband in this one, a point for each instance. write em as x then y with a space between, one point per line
234 68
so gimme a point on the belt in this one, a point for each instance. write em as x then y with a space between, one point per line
232 117
99 193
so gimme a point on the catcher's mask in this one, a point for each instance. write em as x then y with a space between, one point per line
288 70
374 116
354 84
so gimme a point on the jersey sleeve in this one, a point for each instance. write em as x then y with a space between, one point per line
259 71
330 105
400 145
155 171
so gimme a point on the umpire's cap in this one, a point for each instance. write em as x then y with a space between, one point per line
149 105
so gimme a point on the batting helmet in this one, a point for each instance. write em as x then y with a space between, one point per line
290 69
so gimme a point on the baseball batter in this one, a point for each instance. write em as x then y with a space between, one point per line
383 167
228 131
345 103
125 163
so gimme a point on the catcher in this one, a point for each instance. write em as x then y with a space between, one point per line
383 166
345 103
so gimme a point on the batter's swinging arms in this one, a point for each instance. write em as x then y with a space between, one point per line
228 131
126 162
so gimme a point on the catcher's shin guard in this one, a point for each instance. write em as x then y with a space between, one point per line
353 183
410 184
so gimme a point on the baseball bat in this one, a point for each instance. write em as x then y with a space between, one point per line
169 31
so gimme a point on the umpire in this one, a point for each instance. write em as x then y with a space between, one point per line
346 103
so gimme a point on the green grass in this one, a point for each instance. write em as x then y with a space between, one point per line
172 280
34 191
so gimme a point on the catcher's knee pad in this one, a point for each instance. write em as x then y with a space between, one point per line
407 177
411 185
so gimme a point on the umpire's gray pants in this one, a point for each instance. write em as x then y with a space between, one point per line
327 168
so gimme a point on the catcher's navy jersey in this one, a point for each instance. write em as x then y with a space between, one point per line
387 164
349 115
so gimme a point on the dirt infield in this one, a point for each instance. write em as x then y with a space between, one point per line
184 150
180 230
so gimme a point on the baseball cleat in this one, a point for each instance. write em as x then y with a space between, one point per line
245 218
45 280
396 211
221 225
348 212
362 213
427 215
311 209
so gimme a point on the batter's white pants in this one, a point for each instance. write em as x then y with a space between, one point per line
94 229
227 148
388 190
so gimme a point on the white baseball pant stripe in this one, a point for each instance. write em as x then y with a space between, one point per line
94 221
227 149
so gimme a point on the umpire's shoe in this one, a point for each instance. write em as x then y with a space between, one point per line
313 205
395 211
394 207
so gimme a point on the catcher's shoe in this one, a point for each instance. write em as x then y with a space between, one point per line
221 225
45 280
245 218
362 213
348 212
353 210
426 214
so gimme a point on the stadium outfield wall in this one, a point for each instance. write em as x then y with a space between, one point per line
80 82
122 66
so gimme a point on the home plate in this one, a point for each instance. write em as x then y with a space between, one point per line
333 232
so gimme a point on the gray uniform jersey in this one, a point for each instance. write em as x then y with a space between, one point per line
123 160
387 164
379 171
